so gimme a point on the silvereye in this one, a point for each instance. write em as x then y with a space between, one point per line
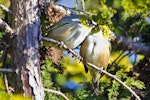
72 30
96 50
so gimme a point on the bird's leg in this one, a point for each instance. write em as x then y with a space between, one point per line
96 88
95 81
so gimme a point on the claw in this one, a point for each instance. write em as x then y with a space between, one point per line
96 88
96 92
80 58
101 70
61 44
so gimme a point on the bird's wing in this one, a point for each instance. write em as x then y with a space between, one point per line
63 21
84 51
59 24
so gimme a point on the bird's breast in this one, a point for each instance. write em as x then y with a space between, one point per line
98 51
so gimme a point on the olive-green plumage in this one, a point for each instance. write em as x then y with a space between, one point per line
72 30
96 50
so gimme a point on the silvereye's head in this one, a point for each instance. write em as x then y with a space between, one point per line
101 29
86 21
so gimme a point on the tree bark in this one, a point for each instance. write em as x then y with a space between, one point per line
25 22
127 44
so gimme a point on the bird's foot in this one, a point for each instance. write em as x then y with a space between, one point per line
101 70
96 88
61 44
80 58
96 92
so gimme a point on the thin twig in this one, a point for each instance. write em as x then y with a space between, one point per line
56 92
99 69
61 44
123 56
6 70
6 9
114 77
5 26
80 2
83 5
114 62
80 11
6 84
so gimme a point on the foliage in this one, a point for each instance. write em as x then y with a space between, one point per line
3 14
6 3
5 62
129 19
5 96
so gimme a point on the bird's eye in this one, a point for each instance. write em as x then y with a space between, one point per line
89 23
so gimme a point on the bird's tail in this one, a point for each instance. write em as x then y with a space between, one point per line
95 81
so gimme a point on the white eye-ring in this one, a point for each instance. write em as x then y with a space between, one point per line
103 32
90 23
96 28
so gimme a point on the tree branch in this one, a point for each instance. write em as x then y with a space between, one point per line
56 92
5 8
6 84
61 44
83 4
5 26
126 44
6 70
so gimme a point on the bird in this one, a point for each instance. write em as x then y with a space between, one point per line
95 49
72 30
